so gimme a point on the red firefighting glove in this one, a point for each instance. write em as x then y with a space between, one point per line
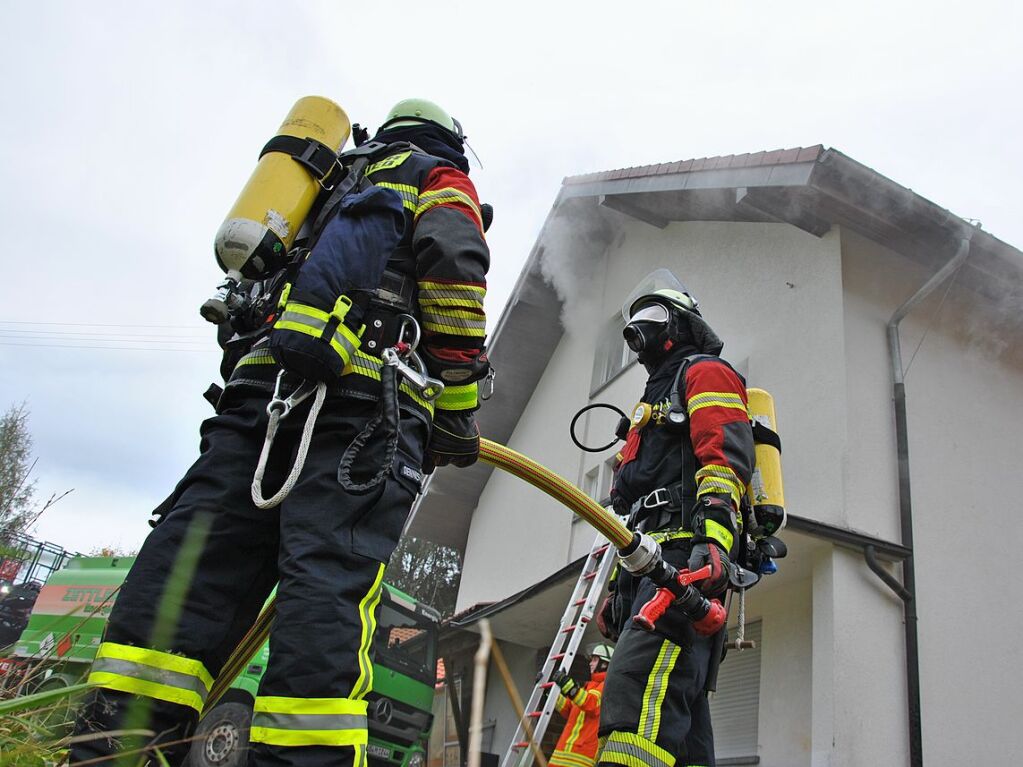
455 440
707 550
565 683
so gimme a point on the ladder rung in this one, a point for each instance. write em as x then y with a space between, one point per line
547 685
559 656
590 576
602 549
579 602
535 714
521 744
567 629
584 620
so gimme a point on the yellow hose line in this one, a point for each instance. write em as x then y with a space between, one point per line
499 457
557 487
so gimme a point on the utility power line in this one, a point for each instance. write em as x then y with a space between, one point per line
99 325
114 348
54 335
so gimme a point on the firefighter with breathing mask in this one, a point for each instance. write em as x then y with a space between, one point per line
411 206
687 459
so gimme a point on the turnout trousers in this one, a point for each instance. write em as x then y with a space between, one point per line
655 711
207 568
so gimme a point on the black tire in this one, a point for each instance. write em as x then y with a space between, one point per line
222 737
58 717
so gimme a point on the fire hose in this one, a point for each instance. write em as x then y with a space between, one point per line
638 553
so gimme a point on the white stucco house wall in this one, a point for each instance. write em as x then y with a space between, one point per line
800 259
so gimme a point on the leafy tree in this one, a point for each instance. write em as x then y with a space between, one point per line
426 571
17 491
113 550
18 509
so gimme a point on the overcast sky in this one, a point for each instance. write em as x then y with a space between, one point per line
130 127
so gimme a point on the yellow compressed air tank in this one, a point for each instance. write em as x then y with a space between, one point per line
256 235
766 489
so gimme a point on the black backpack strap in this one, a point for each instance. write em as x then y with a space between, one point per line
764 435
316 157
354 162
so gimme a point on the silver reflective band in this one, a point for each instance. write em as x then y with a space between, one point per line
151 674
282 721
651 313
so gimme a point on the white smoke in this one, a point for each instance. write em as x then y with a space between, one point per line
572 261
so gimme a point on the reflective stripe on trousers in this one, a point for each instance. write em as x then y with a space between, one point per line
151 673
656 688
283 721
633 750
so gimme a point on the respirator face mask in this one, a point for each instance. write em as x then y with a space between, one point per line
646 327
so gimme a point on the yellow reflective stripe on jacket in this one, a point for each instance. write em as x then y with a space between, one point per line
656 687
663 536
453 308
458 322
459 397
387 163
720 479
569 759
409 194
447 195
368 621
632 750
283 721
451 294
719 533
715 399
151 673
256 358
580 720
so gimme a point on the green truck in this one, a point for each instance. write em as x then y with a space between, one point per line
66 625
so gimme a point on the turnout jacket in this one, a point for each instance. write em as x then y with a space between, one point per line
712 454
443 251
577 746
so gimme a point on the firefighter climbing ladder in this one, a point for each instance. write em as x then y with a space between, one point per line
578 613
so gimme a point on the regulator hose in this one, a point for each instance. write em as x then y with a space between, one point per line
498 456
575 420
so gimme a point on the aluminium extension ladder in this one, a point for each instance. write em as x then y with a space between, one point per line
580 609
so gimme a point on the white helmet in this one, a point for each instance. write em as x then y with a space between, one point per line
602 651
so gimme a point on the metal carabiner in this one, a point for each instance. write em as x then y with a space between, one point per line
283 406
407 320
487 386
415 373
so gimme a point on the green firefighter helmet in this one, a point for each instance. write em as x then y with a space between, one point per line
659 287
418 112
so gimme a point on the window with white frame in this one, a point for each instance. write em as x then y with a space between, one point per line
612 355
597 481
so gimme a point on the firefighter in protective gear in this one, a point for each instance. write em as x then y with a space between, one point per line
580 705
656 711
327 543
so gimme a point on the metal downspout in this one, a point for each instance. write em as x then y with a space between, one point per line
907 590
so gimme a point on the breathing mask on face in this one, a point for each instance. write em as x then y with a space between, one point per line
648 328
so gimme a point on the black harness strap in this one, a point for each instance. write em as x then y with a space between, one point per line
315 156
